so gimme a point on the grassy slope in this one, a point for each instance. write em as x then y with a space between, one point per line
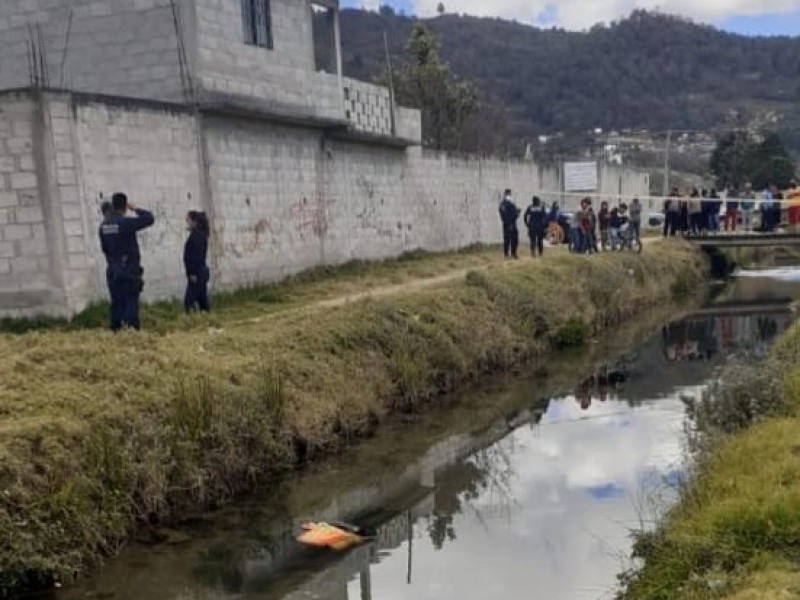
736 532
99 433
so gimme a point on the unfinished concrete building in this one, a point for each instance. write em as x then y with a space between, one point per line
223 106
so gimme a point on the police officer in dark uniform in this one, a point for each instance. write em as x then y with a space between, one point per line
119 243
536 222
107 211
509 214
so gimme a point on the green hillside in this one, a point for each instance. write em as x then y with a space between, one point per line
648 71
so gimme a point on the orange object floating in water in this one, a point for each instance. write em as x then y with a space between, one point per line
325 535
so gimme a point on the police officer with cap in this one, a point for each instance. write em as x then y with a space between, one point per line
121 247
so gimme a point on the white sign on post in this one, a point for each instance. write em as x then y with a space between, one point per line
580 177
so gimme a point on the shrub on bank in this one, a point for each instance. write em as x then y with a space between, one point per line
571 334
103 433
735 533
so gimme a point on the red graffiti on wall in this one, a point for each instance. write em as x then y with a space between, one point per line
251 239
261 232
311 216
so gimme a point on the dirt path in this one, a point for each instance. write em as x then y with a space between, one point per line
383 291
408 286
412 285
427 282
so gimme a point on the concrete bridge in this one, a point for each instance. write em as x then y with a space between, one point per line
746 240
723 263
744 309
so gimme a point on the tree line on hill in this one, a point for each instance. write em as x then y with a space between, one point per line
648 71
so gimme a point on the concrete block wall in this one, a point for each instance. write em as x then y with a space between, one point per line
366 188
152 155
408 122
282 78
476 186
166 50
618 181
69 227
280 199
25 277
286 200
368 107
269 213
119 47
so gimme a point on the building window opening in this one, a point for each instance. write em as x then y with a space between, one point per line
323 19
257 23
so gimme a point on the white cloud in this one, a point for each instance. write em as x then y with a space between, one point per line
581 14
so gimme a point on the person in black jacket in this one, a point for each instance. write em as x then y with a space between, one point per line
124 274
106 210
194 261
536 222
509 214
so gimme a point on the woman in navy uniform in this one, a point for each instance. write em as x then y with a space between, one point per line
194 260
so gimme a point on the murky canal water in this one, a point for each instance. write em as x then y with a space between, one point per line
526 490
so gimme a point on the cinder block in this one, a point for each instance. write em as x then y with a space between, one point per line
67 177
63 143
24 264
20 145
12 233
31 214
23 128
71 211
7 250
26 163
20 181
61 126
7 164
28 197
69 194
65 159
5 265
59 110
76 244
8 199
73 228
78 261
33 248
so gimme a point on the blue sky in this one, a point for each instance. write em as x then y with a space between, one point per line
782 24
749 17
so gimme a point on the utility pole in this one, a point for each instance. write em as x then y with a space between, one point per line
390 72
666 163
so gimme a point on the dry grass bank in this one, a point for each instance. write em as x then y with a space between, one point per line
100 433
315 285
735 533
